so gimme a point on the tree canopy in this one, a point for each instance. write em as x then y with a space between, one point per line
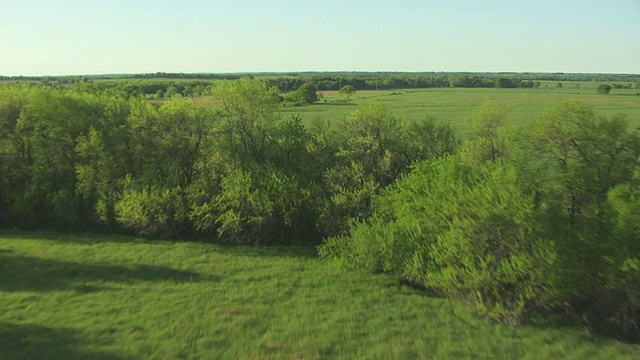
348 91
604 88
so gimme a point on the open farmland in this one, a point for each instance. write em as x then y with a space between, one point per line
456 105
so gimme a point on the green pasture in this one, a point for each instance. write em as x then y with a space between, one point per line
456 105
116 297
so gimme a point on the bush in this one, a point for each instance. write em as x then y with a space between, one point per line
256 208
604 89
151 212
467 232
618 296
306 94
349 192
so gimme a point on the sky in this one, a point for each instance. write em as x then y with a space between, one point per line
81 37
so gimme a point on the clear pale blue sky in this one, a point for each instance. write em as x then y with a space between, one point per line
44 37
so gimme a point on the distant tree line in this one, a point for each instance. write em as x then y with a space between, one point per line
156 88
155 76
184 84
514 222
337 74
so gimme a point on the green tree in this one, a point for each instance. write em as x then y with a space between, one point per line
46 133
162 149
604 89
470 232
375 148
348 91
199 90
526 84
488 141
584 159
307 93
104 159
257 179
503 82
171 91
250 115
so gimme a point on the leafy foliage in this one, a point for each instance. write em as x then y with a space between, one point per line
306 94
464 231
348 91
511 222
604 89
517 222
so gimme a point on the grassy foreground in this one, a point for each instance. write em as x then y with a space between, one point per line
116 297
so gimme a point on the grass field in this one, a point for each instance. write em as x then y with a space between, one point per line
456 105
116 297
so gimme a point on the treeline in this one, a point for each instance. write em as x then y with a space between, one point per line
335 76
155 88
70 79
514 222
237 172
163 85
392 81
287 83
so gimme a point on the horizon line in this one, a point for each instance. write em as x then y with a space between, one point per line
294 72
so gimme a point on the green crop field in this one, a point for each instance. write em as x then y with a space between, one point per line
116 297
456 105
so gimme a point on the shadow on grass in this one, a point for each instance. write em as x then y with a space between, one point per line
634 95
334 104
76 238
85 237
19 273
598 332
102 238
21 341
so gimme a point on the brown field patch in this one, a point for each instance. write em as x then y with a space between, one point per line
594 100
205 101
158 102
200 101
329 93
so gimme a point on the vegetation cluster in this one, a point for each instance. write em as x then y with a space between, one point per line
161 85
516 223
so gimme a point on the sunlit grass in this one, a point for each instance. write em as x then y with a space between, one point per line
456 105
98 296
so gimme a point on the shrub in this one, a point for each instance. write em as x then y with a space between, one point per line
467 232
257 207
604 89
151 212
349 192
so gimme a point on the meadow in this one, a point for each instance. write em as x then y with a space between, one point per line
455 106
118 297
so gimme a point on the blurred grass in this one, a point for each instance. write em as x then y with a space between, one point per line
98 296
